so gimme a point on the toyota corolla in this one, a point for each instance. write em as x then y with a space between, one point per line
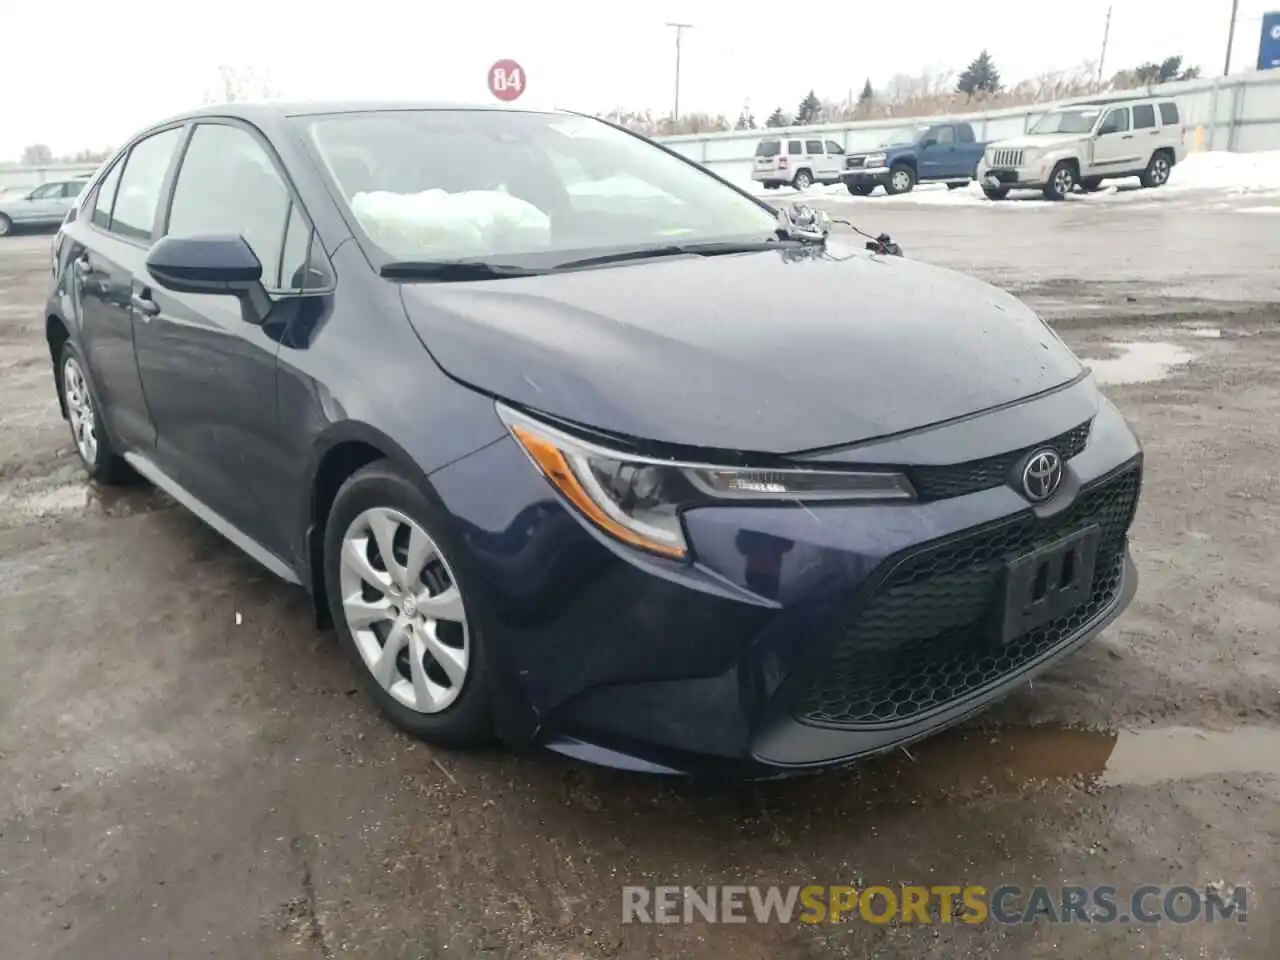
577 444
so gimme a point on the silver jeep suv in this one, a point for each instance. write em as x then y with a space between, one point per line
1084 144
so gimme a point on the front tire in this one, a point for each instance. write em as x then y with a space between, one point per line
88 436
1158 170
407 622
1061 181
6 226
859 189
957 184
995 193
902 179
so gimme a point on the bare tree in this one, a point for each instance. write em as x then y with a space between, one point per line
237 84
36 155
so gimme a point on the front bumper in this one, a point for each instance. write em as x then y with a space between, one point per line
801 637
1027 176
876 175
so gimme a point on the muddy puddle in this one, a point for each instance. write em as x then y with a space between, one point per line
78 498
1139 362
980 761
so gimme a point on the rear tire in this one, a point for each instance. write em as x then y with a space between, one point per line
437 685
88 435
902 179
956 185
1090 184
1061 181
1158 170
803 180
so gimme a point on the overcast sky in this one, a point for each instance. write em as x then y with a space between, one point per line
93 73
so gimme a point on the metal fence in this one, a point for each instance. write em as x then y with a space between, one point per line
19 176
1240 113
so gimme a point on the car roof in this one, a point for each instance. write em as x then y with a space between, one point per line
283 110
1123 101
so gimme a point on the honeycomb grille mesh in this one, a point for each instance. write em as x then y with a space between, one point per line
924 637
956 480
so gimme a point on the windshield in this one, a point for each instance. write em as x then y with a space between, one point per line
904 135
1066 121
431 185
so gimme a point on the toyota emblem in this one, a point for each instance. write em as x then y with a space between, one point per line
1042 475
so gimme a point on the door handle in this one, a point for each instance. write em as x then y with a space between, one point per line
145 306
1127 136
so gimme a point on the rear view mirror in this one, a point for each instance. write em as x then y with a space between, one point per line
214 264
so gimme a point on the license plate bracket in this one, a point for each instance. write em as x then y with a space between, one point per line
1049 582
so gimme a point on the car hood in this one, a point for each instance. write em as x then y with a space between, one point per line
773 351
1046 142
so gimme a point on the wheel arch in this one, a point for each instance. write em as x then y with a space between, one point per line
56 334
340 451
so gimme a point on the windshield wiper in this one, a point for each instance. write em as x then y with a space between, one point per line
714 249
453 271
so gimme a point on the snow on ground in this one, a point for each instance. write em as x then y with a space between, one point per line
1256 175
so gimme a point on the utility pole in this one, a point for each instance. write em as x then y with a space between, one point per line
680 29
1102 57
1231 35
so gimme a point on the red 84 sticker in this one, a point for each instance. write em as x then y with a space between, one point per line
506 80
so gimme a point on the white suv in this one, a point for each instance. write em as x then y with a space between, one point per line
1084 144
798 162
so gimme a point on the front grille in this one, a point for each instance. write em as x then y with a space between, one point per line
1006 157
958 479
853 163
922 638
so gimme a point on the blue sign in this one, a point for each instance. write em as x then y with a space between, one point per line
1269 46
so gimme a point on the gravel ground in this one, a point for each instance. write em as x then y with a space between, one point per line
189 772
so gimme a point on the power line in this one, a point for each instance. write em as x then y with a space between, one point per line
680 29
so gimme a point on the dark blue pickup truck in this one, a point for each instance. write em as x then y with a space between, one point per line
936 152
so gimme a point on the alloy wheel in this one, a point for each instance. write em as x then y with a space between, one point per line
404 609
1063 181
80 411
1159 171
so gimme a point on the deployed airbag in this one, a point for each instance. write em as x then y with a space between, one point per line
436 224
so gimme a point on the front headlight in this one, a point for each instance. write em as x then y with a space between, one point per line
875 159
638 500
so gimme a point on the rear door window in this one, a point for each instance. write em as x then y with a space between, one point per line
1144 116
138 198
1169 113
813 147
793 148
105 198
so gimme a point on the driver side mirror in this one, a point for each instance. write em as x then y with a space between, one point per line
929 142
213 264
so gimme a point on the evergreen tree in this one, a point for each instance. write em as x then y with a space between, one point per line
981 76
867 94
745 121
810 109
777 118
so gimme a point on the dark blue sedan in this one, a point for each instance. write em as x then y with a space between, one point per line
576 444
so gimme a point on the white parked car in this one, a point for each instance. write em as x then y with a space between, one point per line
798 162
1084 144
42 206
